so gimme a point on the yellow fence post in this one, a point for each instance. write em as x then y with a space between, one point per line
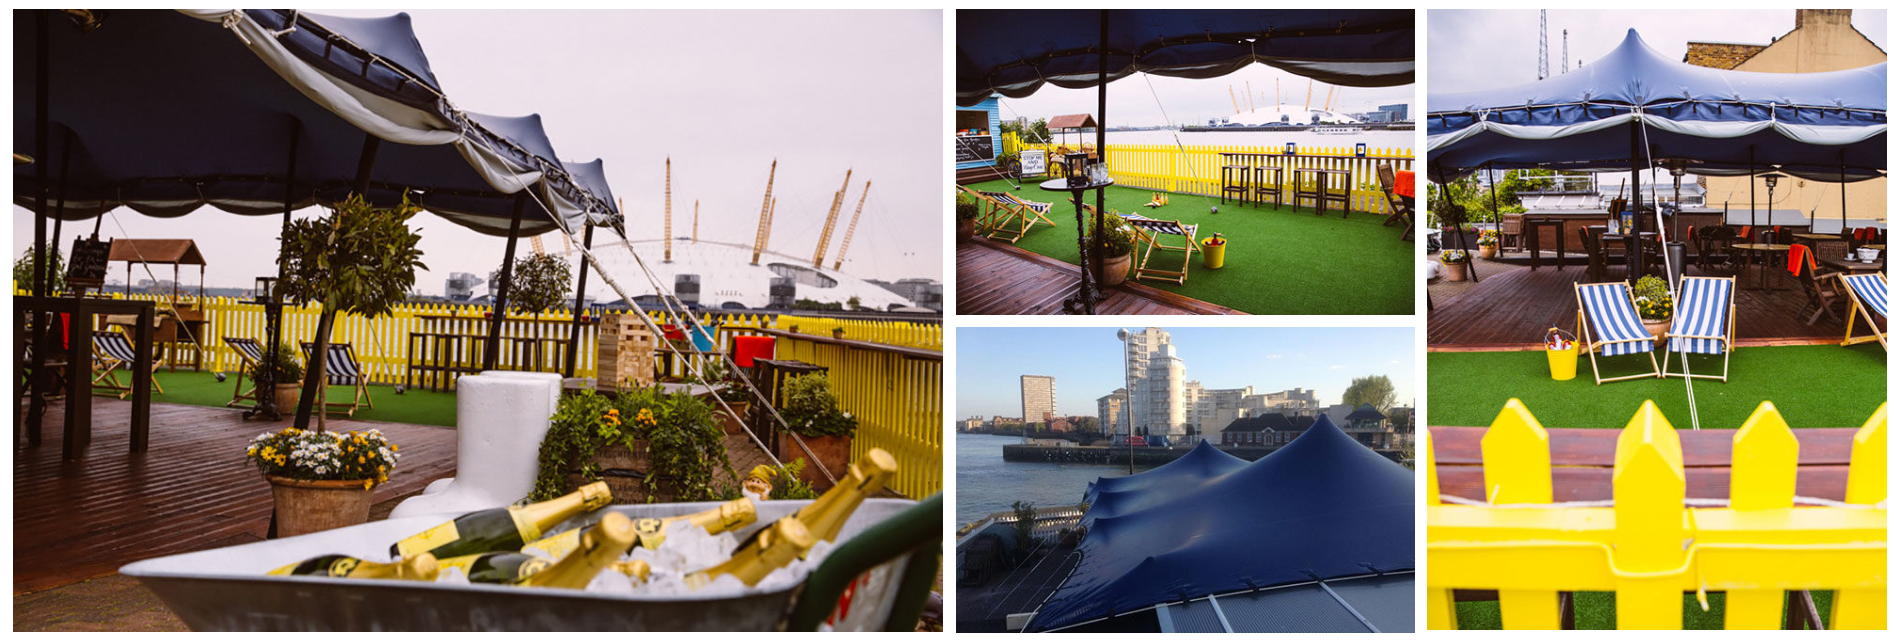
1442 603
1650 490
1516 470
1765 468
1865 484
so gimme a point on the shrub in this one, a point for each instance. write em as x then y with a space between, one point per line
309 455
1119 235
810 408
1652 299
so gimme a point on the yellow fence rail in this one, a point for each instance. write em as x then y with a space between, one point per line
1648 547
896 394
1195 169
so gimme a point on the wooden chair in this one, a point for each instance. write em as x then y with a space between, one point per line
1400 212
1713 247
111 353
1004 208
1511 231
342 369
250 358
1605 320
1822 291
1868 292
1147 231
1703 323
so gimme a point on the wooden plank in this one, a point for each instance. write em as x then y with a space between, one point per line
998 279
1596 483
190 490
1596 447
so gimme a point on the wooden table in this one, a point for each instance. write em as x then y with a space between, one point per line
1853 266
1320 189
78 434
1761 252
1566 224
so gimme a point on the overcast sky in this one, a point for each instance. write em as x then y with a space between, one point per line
1131 102
722 93
1472 50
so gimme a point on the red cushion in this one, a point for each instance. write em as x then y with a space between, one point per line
745 348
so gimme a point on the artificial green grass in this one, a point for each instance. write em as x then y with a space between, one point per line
1278 261
417 406
1812 386
1596 610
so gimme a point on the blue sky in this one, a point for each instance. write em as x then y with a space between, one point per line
1086 363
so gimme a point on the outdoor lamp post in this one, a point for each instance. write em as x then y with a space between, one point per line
264 294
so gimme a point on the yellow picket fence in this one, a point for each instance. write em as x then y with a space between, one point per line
1649 547
1195 169
895 392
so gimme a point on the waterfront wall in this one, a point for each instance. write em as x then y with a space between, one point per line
1143 456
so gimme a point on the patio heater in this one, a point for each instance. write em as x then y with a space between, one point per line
1675 248
264 293
1772 180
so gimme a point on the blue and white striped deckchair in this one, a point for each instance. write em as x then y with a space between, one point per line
1148 231
1605 320
1004 209
342 369
1703 323
1868 291
250 357
111 352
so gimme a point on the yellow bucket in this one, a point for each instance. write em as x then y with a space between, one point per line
1562 362
1215 253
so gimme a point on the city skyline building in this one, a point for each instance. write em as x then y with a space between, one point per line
1112 411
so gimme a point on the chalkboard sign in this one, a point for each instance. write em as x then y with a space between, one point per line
973 148
85 267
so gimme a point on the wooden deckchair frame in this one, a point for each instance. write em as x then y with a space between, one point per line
1726 341
1590 345
1861 311
993 223
362 397
1152 242
245 365
109 366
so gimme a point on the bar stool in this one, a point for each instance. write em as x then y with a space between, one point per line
1227 186
1276 188
1534 230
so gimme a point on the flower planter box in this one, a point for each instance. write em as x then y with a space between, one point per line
309 506
832 451
626 490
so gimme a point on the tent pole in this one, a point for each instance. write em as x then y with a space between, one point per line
1843 232
499 314
1752 195
579 304
318 357
1636 260
41 142
59 208
1100 195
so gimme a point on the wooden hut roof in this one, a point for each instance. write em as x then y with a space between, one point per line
1076 121
155 251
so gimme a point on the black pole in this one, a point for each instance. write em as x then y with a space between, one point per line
42 141
493 355
266 380
1843 232
579 305
59 208
318 357
1637 261
1752 196
1100 195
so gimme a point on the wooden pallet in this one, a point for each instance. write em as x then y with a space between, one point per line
626 353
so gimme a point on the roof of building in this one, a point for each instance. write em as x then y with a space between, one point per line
1365 412
1074 121
1272 421
155 251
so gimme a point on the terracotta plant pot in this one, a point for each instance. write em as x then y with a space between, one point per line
965 229
1114 269
734 422
286 396
309 506
1456 271
625 490
832 451
1659 328
837 334
1487 251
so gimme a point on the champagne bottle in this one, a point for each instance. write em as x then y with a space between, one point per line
730 516
774 547
418 567
599 549
502 529
825 516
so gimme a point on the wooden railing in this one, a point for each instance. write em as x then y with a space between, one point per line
1195 169
1647 545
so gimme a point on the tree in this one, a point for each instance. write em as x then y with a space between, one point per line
1087 424
1035 133
541 282
1376 391
855 303
23 270
1024 524
359 259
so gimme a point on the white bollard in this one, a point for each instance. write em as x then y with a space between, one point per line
501 418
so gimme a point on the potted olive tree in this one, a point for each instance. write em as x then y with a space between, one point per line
966 212
1120 249
811 410
358 259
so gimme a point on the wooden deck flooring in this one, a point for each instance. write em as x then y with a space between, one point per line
996 279
191 490
1511 310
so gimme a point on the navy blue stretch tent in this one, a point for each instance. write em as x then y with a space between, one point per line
1014 52
1322 507
167 111
1812 125
1113 496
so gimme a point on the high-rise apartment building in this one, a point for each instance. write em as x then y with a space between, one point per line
1037 398
1113 412
1156 382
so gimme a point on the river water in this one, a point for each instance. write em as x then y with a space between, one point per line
986 484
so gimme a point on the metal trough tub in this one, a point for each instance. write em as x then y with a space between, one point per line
226 589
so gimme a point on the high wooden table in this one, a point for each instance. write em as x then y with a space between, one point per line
1761 253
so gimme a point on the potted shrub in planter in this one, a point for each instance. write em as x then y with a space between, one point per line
321 481
1456 265
810 410
1655 305
647 447
966 212
288 379
1486 242
1120 250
